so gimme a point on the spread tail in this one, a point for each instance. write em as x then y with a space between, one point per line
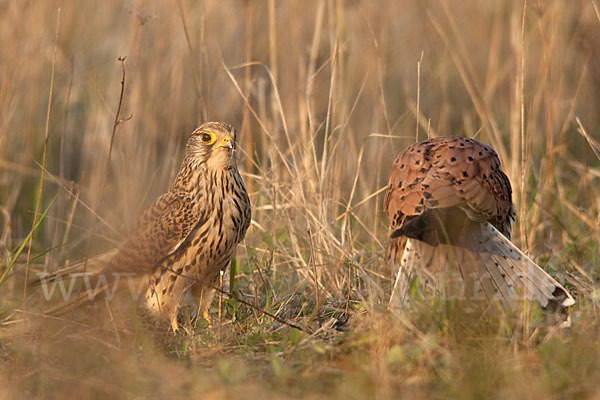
86 288
93 266
485 265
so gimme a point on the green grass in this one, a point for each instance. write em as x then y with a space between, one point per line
324 94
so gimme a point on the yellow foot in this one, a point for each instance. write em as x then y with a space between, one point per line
207 318
174 325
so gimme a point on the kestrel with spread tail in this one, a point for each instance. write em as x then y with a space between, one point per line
185 238
450 210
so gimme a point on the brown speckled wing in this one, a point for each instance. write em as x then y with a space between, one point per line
450 172
162 228
456 184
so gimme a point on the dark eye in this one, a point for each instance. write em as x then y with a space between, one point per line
208 137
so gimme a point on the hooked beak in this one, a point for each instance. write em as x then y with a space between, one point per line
226 142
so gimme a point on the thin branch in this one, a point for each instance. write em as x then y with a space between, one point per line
195 68
275 317
312 256
594 145
418 95
116 123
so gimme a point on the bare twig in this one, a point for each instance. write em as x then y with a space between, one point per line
220 295
593 143
522 205
112 320
275 317
312 256
116 123
349 287
272 40
418 95
195 68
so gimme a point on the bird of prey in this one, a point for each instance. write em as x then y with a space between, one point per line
184 239
450 211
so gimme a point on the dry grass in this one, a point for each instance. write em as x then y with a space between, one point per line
325 93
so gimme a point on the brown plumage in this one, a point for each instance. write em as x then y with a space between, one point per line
184 239
450 210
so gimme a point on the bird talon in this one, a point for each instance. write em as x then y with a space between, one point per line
174 325
207 318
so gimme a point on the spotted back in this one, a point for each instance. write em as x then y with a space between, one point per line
450 172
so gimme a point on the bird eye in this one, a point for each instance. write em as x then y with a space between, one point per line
208 137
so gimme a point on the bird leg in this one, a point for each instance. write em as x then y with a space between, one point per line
203 297
174 324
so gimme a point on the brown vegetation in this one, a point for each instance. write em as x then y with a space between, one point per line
325 93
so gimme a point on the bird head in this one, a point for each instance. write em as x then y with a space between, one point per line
213 144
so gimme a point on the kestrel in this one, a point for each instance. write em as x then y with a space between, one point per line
185 238
450 210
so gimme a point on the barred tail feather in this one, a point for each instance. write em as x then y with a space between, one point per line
404 276
93 266
481 264
523 274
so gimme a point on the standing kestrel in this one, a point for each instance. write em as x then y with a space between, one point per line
450 210
184 239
